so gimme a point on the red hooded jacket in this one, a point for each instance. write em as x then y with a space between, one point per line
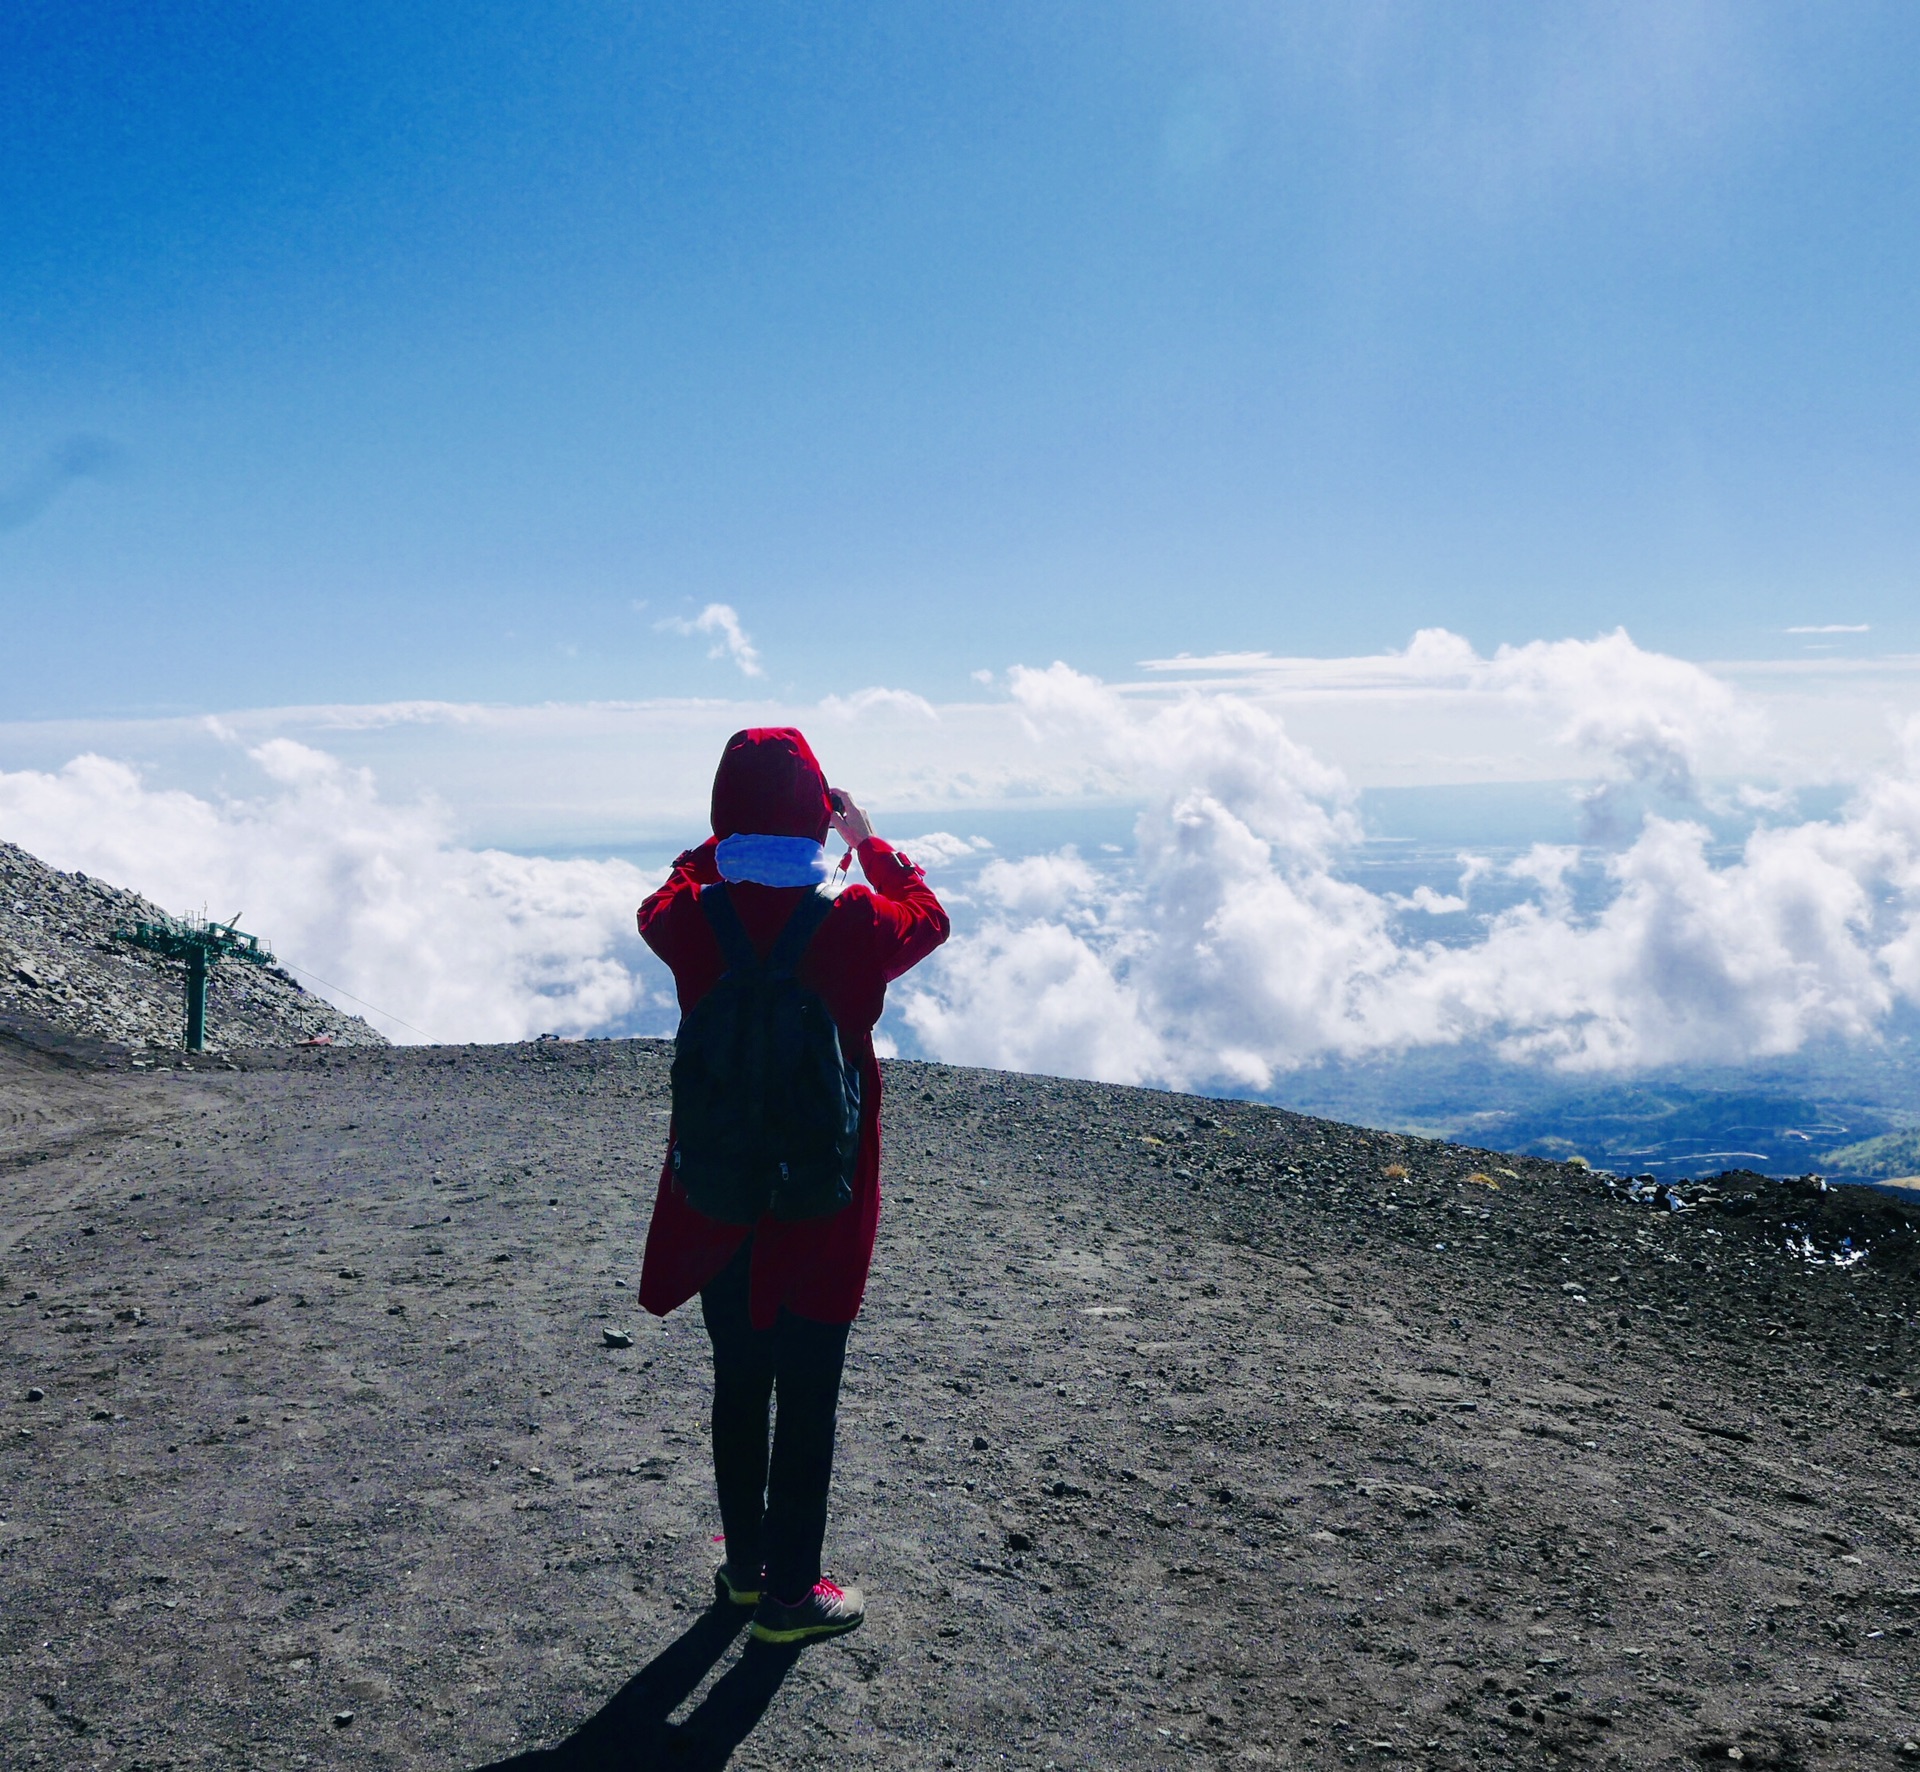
769 783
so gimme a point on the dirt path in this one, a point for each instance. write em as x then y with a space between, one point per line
1164 1443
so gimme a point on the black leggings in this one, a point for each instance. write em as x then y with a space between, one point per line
774 1512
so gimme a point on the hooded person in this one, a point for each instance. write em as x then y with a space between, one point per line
779 1295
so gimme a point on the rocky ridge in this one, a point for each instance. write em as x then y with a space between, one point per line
59 964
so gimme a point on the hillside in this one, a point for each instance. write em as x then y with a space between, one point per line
1176 1434
60 964
1823 1107
1894 1156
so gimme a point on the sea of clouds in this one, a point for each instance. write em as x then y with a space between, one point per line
1239 950
373 903
1230 943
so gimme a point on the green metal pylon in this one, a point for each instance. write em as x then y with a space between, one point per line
199 944
196 999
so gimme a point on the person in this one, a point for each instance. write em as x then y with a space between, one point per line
779 1296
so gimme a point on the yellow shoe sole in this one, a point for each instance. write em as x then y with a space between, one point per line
802 1633
765 1633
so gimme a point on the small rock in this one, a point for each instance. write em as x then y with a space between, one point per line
616 1338
35 1394
1019 1541
342 1719
100 1415
979 1440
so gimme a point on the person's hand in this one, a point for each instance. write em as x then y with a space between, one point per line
853 825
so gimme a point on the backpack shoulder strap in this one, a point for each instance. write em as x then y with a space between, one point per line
731 933
807 916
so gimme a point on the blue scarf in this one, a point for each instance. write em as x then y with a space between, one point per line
772 861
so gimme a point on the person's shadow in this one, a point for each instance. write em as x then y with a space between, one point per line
631 1732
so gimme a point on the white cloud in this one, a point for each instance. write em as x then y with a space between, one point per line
937 849
1210 745
1646 722
722 622
1435 904
1643 717
584 773
864 701
463 944
1226 947
1037 998
1833 627
1040 885
1234 950
373 716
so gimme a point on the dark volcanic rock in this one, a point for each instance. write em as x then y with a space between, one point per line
60 965
1176 1434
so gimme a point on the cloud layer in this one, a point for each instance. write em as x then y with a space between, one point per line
1234 949
444 942
1233 942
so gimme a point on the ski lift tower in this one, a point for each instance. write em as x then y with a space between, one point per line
200 944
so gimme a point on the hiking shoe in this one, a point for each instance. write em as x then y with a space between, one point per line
730 1589
826 1612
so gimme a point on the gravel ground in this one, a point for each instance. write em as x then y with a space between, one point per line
1176 1433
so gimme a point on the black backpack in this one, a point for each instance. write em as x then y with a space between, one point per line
766 1106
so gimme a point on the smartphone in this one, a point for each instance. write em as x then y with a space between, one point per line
837 800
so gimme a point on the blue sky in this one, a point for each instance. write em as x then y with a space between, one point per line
363 352
387 395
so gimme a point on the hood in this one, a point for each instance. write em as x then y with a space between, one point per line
770 784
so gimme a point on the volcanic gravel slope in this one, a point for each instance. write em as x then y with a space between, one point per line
1176 1434
59 963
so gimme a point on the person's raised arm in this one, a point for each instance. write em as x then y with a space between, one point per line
910 921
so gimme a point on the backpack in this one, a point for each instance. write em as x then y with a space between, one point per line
766 1106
